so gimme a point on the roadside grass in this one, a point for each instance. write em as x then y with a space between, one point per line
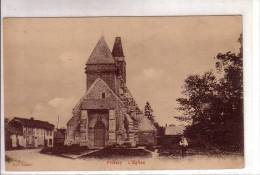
8 159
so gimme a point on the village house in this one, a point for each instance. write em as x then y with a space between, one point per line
30 133
59 137
174 130
147 134
107 113
172 136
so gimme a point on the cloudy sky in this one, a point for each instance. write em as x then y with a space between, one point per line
44 59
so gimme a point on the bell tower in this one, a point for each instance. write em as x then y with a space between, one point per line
101 64
118 54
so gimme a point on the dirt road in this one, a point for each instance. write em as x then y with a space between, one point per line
32 160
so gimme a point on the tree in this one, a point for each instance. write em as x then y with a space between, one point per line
7 134
148 111
215 106
200 105
231 91
199 92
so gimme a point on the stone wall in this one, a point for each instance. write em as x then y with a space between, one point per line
112 127
105 72
84 128
72 131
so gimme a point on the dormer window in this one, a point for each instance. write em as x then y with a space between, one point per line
103 95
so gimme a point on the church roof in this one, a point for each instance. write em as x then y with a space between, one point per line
92 101
101 54
99 104
118 49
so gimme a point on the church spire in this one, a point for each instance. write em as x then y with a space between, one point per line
118 49
118 54
101 64
101 54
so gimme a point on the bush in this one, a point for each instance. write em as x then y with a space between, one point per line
8 159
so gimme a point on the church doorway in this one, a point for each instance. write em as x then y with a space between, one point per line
99 134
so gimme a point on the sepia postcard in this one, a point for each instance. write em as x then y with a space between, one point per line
123 93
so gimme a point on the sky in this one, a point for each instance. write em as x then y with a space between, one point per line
44 59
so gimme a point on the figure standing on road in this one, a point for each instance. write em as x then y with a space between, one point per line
155 153
184 145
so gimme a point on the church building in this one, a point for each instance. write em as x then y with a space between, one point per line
107 113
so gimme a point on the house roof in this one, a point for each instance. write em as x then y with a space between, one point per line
59 134
146 125
101 54
32 123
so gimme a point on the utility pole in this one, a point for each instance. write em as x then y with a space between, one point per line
58 122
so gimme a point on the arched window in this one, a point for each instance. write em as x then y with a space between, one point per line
103 95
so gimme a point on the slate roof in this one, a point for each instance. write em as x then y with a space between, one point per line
117 50
32 123
101 54
59 134
97 103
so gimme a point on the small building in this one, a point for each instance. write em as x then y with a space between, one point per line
7 135
30 133
172 136
59 137
147 134
174 130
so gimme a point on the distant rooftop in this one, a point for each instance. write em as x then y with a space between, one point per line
174 129
33 123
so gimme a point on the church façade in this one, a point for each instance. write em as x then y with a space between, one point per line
107 114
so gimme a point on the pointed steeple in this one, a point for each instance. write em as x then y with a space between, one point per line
101 54
101 64
118 49
118 54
